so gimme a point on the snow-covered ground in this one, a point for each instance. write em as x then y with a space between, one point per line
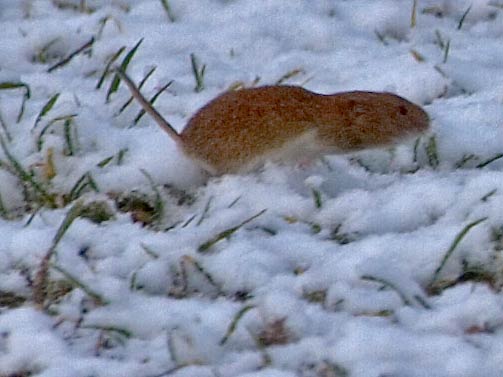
384 263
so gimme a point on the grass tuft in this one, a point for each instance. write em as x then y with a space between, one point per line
40 194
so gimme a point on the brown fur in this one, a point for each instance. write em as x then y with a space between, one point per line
240 127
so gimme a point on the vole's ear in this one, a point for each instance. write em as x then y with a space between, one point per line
147 106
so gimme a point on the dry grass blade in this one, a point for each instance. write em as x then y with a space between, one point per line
413 14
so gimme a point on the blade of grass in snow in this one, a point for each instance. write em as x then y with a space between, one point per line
234 323
86 180
486 197
233 203
487 162
125 333
114 86
140 85
68 137
432 153
47 107
26 96
67 59
413 14
158 204
287 76
108 65
40 141
96 297
3 210
203 272
42 276
393 287
206 209
198 73
167 9
463 17
26 177
5 129
318 203
227 233
152 101
459 237
446 51
466 158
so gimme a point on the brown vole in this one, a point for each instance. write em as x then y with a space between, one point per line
240 130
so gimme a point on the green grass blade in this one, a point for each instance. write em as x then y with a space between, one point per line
459 237
227 233
167 9
47 107
234 323
27 94
487 162
114 86
462 20
108 65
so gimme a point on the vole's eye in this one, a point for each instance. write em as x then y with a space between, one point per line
402 110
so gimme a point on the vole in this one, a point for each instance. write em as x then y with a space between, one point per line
239 130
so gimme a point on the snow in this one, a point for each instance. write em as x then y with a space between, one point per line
333 269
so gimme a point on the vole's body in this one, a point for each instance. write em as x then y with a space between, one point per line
239 130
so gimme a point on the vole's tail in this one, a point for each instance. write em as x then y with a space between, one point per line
147 106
